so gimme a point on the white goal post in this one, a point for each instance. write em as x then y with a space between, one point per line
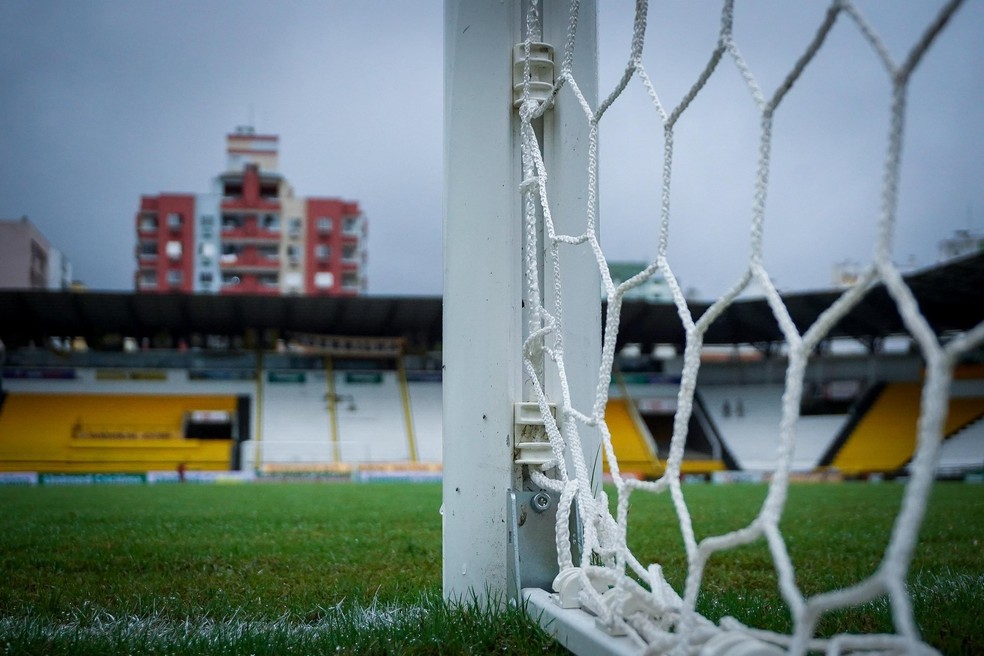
527 371
487 312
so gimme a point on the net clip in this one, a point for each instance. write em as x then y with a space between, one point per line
541 72
532 447
568 585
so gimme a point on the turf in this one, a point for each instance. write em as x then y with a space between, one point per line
309 568
836 535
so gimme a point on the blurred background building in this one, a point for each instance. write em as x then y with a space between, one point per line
28 260
250 234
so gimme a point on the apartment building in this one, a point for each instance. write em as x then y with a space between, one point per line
250 234
28 260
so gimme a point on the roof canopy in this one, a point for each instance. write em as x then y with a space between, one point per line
950 296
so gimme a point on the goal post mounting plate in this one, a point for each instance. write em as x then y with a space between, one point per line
532 557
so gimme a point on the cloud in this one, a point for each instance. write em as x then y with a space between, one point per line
104 101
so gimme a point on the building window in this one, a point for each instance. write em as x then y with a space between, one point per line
208 221
148 222
293 254
206 277
322 252
268 190
232 189
268 279
324 280
147 279
350 224
270 222
350 280
268 251
147 250
293 282
294 226
324 224
174 278
231 222
173 250
230 252
349 252
174 221
206 249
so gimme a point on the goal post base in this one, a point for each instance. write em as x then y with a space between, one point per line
575 629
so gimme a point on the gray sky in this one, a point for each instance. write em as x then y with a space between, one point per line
104 100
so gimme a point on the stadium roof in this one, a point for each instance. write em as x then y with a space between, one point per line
951 297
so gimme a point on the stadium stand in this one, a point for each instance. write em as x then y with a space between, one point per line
112 433
962 452
631 441
197 347
884 438
428 420
375 430
747 417
296 423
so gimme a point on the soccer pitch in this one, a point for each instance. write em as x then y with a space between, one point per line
348 568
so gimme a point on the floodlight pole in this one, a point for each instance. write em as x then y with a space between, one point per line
484 296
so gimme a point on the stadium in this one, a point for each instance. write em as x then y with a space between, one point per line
281 465
288 386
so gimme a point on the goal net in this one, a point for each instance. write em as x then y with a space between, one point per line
600 575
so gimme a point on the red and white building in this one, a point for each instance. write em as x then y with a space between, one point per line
250 234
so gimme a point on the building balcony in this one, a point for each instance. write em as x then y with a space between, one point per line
353 225
260 204
236 285
254 290
351 282
249 233
352 253
147 262
147 225
255 261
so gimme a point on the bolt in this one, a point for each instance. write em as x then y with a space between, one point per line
541 501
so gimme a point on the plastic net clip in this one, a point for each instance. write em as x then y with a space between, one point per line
531 443
541 73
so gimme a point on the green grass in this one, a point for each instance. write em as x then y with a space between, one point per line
244 569
340 568
836 535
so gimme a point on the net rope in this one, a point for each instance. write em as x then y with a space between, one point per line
625 594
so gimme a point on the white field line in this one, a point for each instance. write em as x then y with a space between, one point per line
92 622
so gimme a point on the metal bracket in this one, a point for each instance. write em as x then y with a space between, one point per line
532 540
532 558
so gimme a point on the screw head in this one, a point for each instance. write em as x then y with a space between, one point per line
541 501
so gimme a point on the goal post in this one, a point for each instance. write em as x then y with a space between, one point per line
527 373
482 296
486 309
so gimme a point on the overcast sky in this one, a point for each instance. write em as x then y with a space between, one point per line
104 100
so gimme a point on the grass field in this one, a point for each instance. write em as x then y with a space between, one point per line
340 568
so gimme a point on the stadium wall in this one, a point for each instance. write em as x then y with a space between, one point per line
116 418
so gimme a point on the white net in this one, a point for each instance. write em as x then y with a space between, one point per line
629 596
